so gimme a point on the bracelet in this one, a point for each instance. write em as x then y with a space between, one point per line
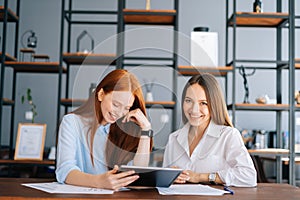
148 133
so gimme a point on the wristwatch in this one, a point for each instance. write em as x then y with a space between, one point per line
148 133
212 178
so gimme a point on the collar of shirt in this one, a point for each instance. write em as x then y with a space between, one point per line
104 128
212 130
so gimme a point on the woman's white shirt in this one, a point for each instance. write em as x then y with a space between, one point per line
220 150
73 151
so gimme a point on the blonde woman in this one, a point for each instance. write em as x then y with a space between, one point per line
208 147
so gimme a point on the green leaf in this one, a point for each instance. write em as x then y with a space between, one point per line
30 102
29 97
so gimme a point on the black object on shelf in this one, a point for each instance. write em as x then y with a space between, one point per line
201 29
257 6
246 86
31 39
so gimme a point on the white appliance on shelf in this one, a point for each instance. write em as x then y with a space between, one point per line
204 47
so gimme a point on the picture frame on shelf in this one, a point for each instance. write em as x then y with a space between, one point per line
30 141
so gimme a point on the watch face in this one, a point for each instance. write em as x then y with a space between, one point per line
212 177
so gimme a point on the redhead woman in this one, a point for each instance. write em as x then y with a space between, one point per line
110 129
208 147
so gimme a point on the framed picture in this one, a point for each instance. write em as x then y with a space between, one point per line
30 141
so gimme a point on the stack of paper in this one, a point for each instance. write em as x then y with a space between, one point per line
55 187
191 189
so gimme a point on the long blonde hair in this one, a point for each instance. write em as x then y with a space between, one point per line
215 98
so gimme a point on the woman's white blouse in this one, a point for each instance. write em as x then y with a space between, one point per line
73 152
220 150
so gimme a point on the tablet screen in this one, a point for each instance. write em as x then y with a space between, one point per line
153 176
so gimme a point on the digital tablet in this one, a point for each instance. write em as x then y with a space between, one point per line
153 176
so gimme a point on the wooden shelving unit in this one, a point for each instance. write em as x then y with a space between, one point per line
7 57
125 17
79 58
29 162
72 16
72 102
89 59
153 17
191 70
7 102
278 21
7 16
260 107
27 67
160 104
7 60
152 104
34 67
250 19
150 17
11 16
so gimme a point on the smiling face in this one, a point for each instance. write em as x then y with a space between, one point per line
114 105
195 106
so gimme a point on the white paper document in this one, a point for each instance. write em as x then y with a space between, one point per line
55 187
191 189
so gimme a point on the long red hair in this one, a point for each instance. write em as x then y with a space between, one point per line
123 138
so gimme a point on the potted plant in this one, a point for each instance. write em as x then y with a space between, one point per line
27 97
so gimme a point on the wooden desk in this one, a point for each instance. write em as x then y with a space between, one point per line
269 151
278 155
11 188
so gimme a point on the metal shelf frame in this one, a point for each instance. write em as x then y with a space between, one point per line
67 14
8 17
151 18
17 67
287 21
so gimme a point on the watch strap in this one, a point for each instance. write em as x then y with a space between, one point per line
148 133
